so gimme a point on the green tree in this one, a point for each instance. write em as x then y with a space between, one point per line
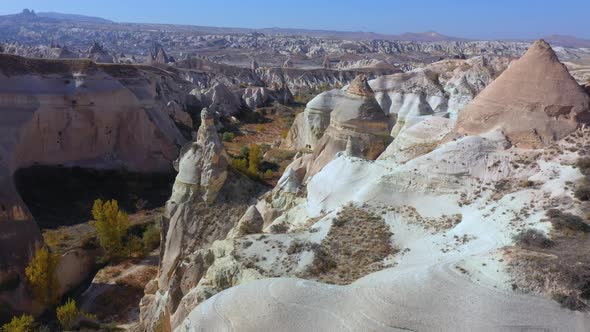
41 275
228 137
24 323
111 225
254 159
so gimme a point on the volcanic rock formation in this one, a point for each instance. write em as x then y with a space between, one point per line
534 102
208 199
72 113
357 118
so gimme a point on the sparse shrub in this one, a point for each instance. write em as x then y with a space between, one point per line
584 165
279 228
567 221
526 184
322 262
260 128
111 226
228 137
569 301
41 276
151 237
583 193
134 247
295 247
24 323
533 238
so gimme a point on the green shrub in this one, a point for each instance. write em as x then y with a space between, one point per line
245 151
24 323
151 237
134 247
228 137
41 276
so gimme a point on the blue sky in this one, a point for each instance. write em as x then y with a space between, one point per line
462 18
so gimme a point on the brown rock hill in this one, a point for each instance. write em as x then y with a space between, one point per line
534 102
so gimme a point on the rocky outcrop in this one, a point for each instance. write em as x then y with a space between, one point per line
254 97
208 200
72 113
98 54
158 55
534 102
219 99
357 118
309 126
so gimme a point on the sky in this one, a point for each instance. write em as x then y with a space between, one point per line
485 19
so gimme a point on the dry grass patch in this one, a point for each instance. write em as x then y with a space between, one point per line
356 245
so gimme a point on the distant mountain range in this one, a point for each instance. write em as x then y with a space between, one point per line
29 16
74 18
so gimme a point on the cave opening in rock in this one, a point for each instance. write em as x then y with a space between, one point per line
63 196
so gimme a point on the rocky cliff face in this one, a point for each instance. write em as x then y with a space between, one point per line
74 113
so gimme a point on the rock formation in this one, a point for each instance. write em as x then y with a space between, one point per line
208 200
158 55
357 118
534 102
73 113
98 54
443 88
219 99
309 126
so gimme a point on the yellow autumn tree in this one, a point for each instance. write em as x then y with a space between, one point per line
41 276
254 159
24 323
111 226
